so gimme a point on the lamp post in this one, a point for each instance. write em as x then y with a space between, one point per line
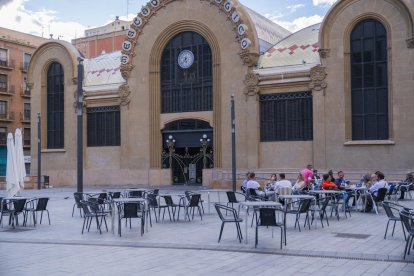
39 152
79 113
233 143
171 149
205 142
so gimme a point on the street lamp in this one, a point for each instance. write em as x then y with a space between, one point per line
171 148
205 142
79 113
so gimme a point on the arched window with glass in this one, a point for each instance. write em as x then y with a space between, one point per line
55 106
186 74
369 81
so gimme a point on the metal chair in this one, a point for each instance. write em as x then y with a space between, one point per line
232 199
41 206
320 209
234 218
91 211
267 218
130 211
78 197
303 208
392 210
192 203
407 220
13 213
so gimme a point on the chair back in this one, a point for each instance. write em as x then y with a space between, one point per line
251 192
85 207
231 196
389 210
325 203
382 192
168 200
194 200
135 194
102 198
267 217
220 207
304 205
78 197
116 195
406 220
156 191
285 191
42 203
19 205
129 210
152 200
3 206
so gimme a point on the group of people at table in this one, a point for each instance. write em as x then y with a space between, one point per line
309 179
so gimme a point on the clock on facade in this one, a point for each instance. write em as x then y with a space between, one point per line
185 59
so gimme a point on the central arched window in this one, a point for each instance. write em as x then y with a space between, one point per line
186 74
55 106
369 81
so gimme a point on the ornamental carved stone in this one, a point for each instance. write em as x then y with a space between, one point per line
126 70
410 42
252 85
318 75
324 53
124 93
249 59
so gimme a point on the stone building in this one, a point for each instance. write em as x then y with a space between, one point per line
16 49
337 95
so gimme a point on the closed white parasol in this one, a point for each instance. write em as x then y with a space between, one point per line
13 186
20 167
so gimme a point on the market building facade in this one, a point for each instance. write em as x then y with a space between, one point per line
337 95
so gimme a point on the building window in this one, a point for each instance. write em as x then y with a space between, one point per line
55 106
286 117
104 126
26 111
3 109
3 135
3 83
26 136
369 81
3 57
26 60
186 74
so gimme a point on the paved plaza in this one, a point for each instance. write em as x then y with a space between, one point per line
350 246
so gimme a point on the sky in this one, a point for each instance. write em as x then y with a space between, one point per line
67 19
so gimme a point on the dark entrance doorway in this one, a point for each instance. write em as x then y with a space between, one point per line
188 148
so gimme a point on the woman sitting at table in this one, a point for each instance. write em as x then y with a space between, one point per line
270 185
327 183
299 185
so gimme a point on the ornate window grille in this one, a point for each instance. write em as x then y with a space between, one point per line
55 106
103 126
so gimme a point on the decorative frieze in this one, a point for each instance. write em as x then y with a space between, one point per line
252 85
324 53
124 92
318 76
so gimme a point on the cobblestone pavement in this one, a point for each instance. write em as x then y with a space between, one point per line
352 246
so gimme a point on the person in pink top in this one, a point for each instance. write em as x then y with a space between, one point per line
307 173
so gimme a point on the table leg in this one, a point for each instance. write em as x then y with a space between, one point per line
208 200
245 234
112 218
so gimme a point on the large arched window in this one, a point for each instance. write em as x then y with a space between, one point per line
55 108
369 81
186 74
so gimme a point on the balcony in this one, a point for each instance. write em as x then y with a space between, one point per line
7 117
25 92
24 66
7 64
6 89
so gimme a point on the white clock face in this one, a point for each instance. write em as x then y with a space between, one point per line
185 59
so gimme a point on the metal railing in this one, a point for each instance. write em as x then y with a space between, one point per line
9 63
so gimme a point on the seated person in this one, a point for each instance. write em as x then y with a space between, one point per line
344 184
377 182
299 185
327 184
282 183
408 180
271 183
244 184
253 184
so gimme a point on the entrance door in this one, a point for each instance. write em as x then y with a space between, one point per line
187 150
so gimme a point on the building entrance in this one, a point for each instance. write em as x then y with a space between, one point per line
188 149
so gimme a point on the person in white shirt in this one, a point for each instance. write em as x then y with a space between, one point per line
282 182
244 184
378 185
253 184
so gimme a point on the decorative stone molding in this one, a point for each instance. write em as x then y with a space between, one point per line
30 85
324 53
410 43
75 80
318 75
249 59
242 25
252 85
126 70
124 93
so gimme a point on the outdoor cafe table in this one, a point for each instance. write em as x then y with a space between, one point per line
330 192
124 200
11 200
218 191
251 204
296 196
135 190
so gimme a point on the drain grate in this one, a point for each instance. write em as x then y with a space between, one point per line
351 236
17 230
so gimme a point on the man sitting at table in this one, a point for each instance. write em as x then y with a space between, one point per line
344 184
282 183
253 184
327 184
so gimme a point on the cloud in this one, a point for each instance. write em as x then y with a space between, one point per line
15 16
4 2
294 8
300 23
323 2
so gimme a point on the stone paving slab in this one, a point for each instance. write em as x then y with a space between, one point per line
199 237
